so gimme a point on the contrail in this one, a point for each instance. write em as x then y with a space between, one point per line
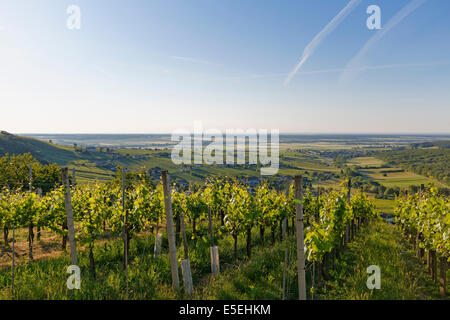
338 70
311 47
351 70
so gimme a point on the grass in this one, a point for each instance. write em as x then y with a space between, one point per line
384 205
259 278
403 276
366 161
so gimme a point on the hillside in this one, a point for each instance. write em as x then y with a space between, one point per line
42 151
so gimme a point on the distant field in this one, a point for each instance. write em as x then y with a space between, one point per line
384 205
315 146
366 161
397 178
403 179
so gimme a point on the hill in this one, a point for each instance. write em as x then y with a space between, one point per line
442 144
43 151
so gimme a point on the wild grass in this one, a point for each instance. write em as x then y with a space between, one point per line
403 276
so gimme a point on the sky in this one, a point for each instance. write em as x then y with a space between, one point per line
154 66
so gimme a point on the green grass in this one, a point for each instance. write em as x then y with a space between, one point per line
403 276
259 278
384 205
366 161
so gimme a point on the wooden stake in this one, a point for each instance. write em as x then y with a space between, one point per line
69 214
187 277
170 232
157 249
213 250
300 237
215 262
30 227
13 260
185 265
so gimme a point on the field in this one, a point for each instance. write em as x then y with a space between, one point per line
379 171
384 205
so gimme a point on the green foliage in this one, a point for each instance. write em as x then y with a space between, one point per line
429 214
14 173
326 232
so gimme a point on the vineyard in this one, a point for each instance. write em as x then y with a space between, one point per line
424 218
222 212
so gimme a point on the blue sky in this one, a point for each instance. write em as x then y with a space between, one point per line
140 66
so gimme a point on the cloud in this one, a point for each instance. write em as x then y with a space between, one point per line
329 28
354 66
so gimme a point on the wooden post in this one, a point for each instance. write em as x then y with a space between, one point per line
170 232
300 237
30 227
13 261
157 249
215 262
443 276
185 265
38 225
187 276
213 250
69 214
